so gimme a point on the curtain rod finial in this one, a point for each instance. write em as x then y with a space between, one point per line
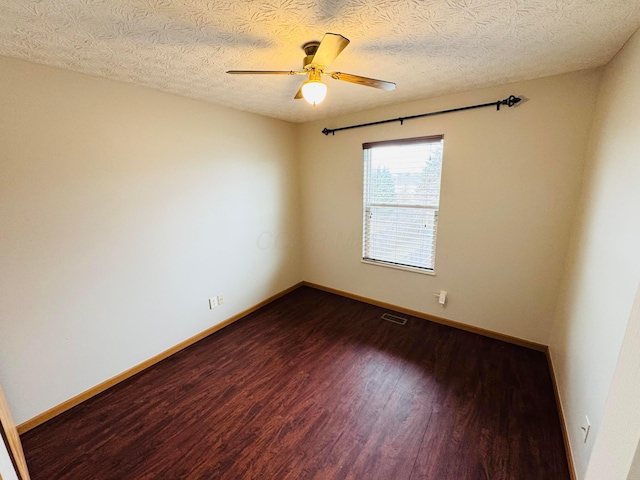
510 101
513 100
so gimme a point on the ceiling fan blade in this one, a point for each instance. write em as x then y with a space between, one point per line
299 94
266 72
369 82
330 47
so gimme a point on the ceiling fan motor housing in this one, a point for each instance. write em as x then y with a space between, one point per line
310 49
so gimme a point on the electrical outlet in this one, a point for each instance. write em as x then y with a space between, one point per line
586 426
213 303
442 297
220 299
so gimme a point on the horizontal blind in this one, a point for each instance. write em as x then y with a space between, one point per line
401 201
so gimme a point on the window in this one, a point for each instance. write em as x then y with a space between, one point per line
401 201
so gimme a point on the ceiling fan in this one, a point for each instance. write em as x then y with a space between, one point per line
319 56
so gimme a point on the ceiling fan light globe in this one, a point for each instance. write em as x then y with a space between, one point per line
314 91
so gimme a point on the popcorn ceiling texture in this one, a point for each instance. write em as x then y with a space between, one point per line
428 47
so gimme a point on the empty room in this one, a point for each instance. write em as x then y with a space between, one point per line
331 239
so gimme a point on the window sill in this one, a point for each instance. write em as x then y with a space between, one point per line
399 267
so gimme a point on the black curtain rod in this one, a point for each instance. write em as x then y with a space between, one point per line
509 101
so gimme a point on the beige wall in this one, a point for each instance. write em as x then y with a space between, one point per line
615 445
634 473
603 267
122 210
510 186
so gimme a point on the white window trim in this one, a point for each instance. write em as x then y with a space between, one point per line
380 263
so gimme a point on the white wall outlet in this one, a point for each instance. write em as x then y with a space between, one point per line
220 299
586 426
442 297
213 303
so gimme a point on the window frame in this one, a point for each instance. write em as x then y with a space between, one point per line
366 204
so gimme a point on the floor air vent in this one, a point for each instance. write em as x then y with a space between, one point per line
393 319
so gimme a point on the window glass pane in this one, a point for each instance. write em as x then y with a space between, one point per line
406 174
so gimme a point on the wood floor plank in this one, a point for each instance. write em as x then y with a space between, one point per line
317 386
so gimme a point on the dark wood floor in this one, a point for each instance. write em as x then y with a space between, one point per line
317 386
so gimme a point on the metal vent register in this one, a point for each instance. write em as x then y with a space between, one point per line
394 319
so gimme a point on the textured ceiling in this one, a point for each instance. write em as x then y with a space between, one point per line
428 47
